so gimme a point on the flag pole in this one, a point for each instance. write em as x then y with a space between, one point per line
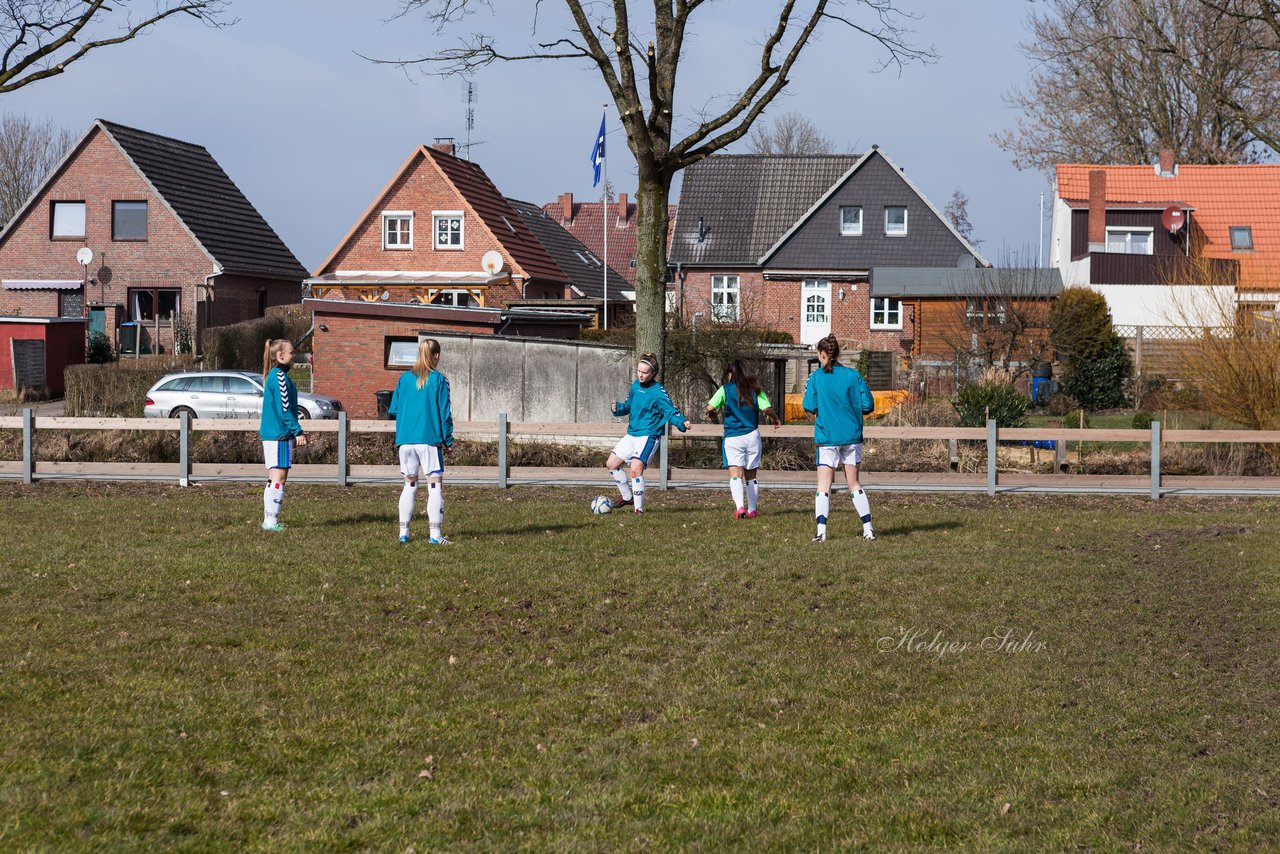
604 209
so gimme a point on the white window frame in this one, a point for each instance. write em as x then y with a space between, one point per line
726 286
889 306
436 216
890 232
848 229
53 219
387 218
1128 231
984 311
454 294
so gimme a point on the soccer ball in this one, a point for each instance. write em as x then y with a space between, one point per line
601 504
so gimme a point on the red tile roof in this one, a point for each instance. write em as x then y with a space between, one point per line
1221 196
588 229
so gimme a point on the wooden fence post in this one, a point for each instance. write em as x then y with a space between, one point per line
991 456
184 448
953 451
1155 460
28 445
502 450
342 448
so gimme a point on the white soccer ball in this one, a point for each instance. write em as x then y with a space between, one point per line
601 504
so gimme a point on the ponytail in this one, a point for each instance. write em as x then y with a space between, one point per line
428 358
831 346
273 346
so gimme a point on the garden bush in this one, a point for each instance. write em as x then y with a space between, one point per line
117 388
239 346
981 400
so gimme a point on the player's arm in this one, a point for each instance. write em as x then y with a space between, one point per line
766 409
716 402
810 402
623 407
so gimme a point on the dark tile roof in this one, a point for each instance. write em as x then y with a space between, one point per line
208 203
746 202
1028 282
501 219
582 267
587 226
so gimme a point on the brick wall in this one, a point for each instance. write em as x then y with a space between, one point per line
349 360
776 304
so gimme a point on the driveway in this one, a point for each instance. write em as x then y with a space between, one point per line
46 408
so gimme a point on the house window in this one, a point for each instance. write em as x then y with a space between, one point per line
895 222
458 299
66 221
70 304
851 221
128 220
724 297
397 230
1129 241
402 352
983 312
886 313
145 303
448 229
1242 238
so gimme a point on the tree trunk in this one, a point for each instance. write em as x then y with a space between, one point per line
651 264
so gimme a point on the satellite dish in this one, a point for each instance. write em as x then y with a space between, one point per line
84 256
492 262
1173 218
104 274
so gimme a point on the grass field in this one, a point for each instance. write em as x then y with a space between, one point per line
1019 673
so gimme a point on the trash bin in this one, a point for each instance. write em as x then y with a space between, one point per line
1042 388
127 337
384 404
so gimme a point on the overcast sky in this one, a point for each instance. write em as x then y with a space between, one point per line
310 131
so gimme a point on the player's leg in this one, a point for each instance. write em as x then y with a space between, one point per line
822 498
435 496
853 463
737 488
619 474
277 455
637 479
751 469
410 465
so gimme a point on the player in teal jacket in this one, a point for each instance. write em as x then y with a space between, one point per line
424 430
743 402
650 410
279 428
839 397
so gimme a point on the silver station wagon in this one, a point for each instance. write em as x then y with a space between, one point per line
224 394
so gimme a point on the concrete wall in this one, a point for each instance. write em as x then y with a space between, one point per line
532 379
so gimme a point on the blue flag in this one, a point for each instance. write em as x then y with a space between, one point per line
597 153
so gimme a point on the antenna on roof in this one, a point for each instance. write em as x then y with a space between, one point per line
471 120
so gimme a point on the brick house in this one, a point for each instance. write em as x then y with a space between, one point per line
793 243
1158 239
477 251
176 245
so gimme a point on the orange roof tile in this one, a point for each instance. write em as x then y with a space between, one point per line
1221 196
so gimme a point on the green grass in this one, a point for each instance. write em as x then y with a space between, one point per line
172 677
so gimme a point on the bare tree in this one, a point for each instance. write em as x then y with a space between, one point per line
40 38
28 151
638 61
1001 321
1118 80
791 133
957 213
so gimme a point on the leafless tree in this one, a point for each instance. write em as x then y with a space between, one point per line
1118 80
28 151
1001 321
791 133
40 38
638 59
957 213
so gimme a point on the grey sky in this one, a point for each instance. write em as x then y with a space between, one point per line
310 131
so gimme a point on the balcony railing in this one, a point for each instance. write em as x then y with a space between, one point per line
1118 268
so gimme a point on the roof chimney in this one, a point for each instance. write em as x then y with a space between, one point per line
445 144
1097 210
566 208
622 208
1168 168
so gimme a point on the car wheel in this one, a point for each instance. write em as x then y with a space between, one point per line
303 414
177 412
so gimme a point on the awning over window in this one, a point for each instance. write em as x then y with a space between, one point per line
41 284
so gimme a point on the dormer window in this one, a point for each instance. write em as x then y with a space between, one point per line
1242 238
1129 240
447 229
397 229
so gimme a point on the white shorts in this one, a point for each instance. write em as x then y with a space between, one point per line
636 448
426 459
743 450
278 453
835 456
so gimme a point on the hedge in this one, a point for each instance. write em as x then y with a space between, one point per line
239 346
118 388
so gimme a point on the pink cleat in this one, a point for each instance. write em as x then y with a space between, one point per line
740 513
751 514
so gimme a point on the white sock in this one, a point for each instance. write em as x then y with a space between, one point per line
435 508
863 507
735 489
637 491
623 480
821 507
407 496
272 498
753 495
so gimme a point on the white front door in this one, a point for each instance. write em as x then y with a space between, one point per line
815 310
